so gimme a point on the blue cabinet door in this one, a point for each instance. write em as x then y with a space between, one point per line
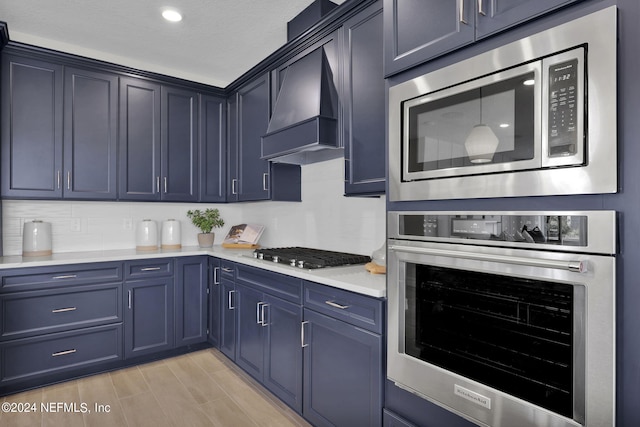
228 318
32 102
139 140
250 330
214 301
149 316
212 155
364 103
190 300
342 373
179 155
90 134
418 30
249 113
497 15
283 350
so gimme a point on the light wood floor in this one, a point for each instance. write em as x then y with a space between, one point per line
197 389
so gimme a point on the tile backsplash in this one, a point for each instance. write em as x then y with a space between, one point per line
325 219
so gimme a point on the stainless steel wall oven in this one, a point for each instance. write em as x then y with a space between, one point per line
533 117
505 318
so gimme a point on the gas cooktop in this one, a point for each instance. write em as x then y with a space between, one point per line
309 258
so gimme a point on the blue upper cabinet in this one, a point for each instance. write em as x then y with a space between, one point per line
31 128
212 152
139 139
158 142
179 172
248 118
419 30
90 134
364 103
37 113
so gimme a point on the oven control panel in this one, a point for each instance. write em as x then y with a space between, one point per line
564 230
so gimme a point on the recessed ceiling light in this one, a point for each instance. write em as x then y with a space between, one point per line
171 15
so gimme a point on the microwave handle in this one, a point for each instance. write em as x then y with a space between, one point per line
575 266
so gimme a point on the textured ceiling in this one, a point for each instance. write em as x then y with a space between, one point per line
215 43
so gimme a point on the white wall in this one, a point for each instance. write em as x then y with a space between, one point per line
325 219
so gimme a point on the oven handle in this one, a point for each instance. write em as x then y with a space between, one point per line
573 266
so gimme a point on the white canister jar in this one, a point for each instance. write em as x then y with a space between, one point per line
147 235
36 238
171 237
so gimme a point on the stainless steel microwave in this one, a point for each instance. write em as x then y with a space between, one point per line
533 117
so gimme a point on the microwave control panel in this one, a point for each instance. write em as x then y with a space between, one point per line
563 109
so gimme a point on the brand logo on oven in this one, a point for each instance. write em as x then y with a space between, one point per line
472 396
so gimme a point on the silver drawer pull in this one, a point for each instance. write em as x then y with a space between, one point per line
336 305
150 269
63 353
227 270
63 310
66 276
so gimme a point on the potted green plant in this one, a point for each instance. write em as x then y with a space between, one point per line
206 221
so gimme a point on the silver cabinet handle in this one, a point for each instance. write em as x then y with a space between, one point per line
63 310
234 186
157 184
462 18
216 276
227 270
481 10
130 299
230 302
259 319
63 353
260 314
68 180
58 178
265 178
150 269
66 276
165 185
302 343
336 305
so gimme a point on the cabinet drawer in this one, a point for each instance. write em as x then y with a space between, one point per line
148 268
37 312
20 279
359 310
285 287
32 357
228 269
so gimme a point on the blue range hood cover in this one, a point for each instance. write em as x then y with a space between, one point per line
304 118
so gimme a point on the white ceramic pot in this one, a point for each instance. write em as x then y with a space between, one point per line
36 238
147 235
171 236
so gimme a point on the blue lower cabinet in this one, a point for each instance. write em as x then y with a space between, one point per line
191 302
29 358
342 373
268 343
148 316
390 419
228 317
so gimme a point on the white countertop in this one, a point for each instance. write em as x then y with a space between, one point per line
351 278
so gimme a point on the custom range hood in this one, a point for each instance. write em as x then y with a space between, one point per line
303 126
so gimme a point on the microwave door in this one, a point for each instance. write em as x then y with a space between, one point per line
488 125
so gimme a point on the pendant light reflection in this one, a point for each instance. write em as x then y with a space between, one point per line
481 143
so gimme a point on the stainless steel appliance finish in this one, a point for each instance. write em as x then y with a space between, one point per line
539 152
505 318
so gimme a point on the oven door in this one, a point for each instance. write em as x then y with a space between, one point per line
503 336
